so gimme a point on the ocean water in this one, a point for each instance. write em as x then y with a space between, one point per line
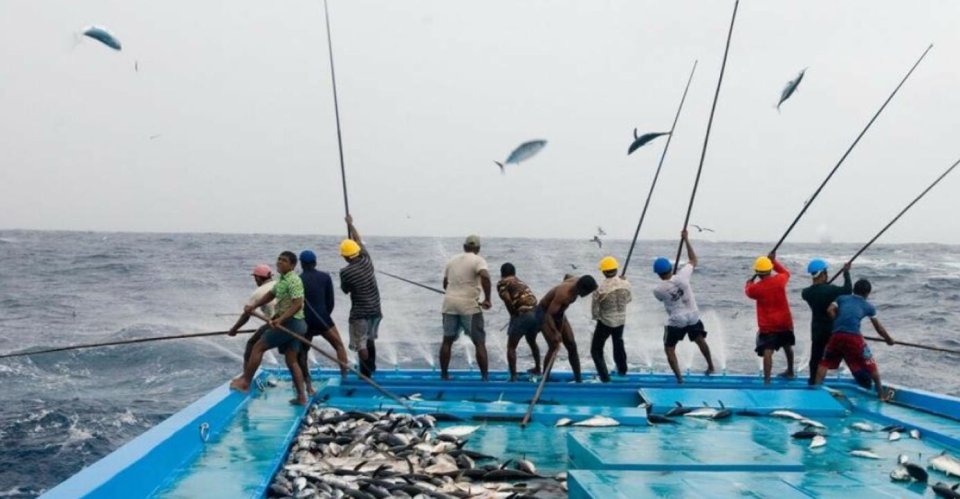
62 411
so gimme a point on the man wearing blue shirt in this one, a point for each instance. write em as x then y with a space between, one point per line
318 305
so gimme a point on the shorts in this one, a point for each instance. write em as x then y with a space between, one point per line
471 324
525 324
850 348
363 330
673 335
281 340
774 341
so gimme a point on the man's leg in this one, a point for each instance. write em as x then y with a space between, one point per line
371 355
701 342
767 365
256 356
534 350
671 352
254 338
290 355
570 343
445 348
788 352
332 336
479 338
512 341
817 344
821 373
619 351
302 355
553 348
600 335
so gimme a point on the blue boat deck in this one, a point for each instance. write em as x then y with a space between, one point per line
751 455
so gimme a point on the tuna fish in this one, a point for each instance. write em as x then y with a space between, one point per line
815 424
523 152
862 426
102 35
915 434
790 88
641 140
866 454
787 414
945 463
818 441
597 422
893 436
944 490
458 431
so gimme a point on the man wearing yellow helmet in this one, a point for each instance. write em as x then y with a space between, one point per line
774 321
609 309
359 280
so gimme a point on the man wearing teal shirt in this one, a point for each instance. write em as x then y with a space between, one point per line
288 314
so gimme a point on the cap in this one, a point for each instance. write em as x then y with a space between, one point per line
472 240
262 270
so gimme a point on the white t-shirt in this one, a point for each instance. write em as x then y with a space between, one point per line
463 284
677 297
260 293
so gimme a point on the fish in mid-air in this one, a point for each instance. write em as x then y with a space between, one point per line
596 239
523 152
600 231
641 140
102 35
790 88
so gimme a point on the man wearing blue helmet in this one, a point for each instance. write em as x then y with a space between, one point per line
819 296
318 305
684 317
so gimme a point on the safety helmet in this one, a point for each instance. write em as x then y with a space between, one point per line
349 248
816 266
763 264
661 266
608 263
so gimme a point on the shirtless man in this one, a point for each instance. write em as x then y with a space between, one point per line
555 327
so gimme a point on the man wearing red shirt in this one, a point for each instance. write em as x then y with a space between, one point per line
774 322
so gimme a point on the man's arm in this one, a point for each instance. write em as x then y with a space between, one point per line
244 317
882 331
265 299
778 267
352 231
832 311
595 306
847 285
295 305
485 284
749 288
691 255
329 295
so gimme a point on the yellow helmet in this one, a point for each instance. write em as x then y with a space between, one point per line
763 264
608 263
349 248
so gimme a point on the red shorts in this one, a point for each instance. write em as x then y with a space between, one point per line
850 348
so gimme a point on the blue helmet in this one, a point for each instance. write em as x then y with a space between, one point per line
662 266
307 256
816 266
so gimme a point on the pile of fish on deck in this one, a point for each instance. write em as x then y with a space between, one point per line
813 430
384 454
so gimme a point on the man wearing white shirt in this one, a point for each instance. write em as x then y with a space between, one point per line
463 279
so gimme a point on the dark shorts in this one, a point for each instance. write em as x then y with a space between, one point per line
774 341
850 348
453 324
525 324
363 330
673 335
281 340
541 316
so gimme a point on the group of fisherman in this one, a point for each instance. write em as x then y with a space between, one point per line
303 304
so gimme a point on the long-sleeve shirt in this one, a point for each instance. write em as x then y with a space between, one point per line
610 301
773 310
819 297
318 295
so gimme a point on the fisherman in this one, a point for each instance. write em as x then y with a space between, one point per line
609 309
774 321
263 277
288 314
359 280
465 275
521 303
553 322
819 296
847 343
318 305
683 318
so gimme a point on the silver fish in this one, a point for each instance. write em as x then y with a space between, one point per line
523 152
563 422
102 35
458 431
915 434
641 140
810 422
861 426
702 412
787 414
900 474
945 463
893 436
597 422
866 454
525 465
790 88
818 441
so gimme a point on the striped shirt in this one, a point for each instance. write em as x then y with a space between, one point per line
359 280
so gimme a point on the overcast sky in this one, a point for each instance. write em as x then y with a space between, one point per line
228 125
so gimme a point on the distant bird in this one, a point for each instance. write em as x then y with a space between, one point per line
523 152
790 88
701 229
572 266
103 36
136 66
600 231
641 140
154 136
596 239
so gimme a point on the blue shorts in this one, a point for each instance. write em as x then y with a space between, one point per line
525 324
281 340
471 324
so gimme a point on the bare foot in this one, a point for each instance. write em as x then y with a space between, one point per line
709 371
298 401
679 381
240 385
786 374
535 371
513 379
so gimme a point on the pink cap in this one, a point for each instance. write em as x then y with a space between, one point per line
262 270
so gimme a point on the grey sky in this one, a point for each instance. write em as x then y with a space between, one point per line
432 91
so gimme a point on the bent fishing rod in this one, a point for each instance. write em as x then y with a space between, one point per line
884 229
415 283
656 175
310 344
914 345
849 149
124 342
706 138
336 112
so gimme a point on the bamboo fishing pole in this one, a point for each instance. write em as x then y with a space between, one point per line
656 175
536 396
706 138
123 342
336 112
310 344
884 229
914 345
415 283
849 149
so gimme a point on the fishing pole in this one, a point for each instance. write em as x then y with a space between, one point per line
123 342
914 345
925 191
336 112
536 396
415 283
310 344
706 138
656 175
844 157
